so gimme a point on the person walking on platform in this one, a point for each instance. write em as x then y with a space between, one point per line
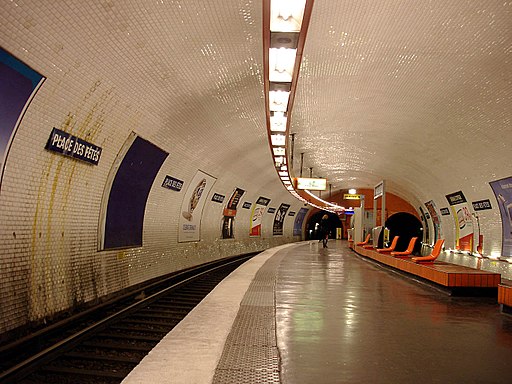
324 230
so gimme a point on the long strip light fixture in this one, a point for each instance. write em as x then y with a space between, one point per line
285 24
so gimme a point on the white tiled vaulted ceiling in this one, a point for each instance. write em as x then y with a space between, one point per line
415 92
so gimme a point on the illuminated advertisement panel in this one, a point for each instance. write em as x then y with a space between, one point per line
463 221
192 207
230 213
299 219
431 207
257 213
18 85
311 184
277 229
503 191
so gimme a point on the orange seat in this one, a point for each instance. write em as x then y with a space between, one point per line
361 243
391 248
408 251
433 255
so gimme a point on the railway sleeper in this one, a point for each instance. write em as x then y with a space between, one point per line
125 336
86 372
119 346
97 356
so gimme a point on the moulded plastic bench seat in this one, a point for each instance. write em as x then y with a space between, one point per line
362 243
408 251
391 248
433 255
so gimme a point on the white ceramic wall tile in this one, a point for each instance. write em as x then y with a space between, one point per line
179 76
417 93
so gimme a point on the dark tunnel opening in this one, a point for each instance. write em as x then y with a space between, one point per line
406 226
313 225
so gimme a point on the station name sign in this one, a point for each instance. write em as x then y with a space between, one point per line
72 146
445 212
456 198
481 205
172 183
263 201
218 198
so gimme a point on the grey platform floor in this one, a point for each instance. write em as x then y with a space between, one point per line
304 314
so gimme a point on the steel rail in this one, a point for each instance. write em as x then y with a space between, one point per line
25 367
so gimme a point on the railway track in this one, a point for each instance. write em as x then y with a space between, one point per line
104 350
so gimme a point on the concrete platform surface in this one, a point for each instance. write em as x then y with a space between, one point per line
339 318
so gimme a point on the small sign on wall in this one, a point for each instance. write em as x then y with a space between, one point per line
72 146
481 205
218 198
456 198
445 212
172 183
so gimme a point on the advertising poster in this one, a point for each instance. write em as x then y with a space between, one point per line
192 207
277 228
299 219
228 220
18 85
503 191
432 210
257 213
463 221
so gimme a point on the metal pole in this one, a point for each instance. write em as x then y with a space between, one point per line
293 148
383 211
301 162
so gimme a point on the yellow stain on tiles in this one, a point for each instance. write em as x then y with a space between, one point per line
51 251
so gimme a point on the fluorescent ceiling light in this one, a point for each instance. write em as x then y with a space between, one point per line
279 151
278 100
283 173
286 15
278 122
280 63
278 139
279 161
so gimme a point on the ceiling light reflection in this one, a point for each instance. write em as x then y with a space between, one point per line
278 122
279 151
278 100
278 139
286 15
281 62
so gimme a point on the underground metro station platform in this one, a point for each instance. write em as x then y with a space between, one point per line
301 313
